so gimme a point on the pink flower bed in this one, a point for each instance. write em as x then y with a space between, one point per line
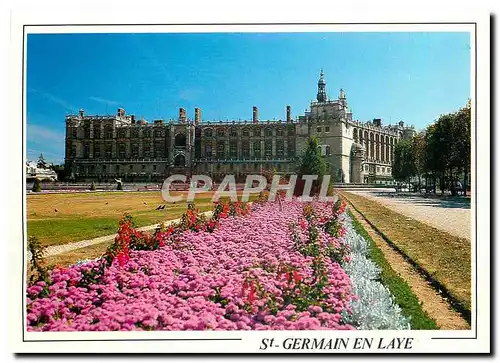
255 272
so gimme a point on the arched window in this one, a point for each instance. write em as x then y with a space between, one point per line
180 140
208 151
269 149
208 133
246 132
180 160
280 149
245 149
233 151
122 133
108 132
220 150
121 151
256 150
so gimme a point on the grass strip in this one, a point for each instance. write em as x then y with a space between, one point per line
403 295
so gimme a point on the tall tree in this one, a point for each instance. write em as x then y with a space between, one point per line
403 166
418 150
438 148
462 142
41 163
311 162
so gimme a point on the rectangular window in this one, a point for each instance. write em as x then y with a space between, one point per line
131 167
318 129
269 149
154 167
327 128
143 167
233 150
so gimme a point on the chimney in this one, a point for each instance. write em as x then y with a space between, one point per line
182 115
121 112
255 115
81 112
197 115
132 119
288 114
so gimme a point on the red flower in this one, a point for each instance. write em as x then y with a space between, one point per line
296 277
251 295
244 288
303 224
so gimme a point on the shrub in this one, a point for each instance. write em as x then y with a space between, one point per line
39 271
37 186
92 186
119 186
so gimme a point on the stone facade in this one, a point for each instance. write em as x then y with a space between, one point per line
119 146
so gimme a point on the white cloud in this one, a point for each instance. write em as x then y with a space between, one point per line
67 106
104 101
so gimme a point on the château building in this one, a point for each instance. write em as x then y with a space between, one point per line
121 146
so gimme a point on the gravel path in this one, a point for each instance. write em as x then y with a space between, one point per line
56 250
452 215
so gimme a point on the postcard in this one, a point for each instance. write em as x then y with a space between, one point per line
250 187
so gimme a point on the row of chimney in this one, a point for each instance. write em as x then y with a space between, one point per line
255 115
197 114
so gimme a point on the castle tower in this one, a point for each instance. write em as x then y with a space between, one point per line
321 96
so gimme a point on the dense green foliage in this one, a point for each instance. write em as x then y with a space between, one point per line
37 186
439 153
311 162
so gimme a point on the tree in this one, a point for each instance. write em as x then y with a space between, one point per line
311 162
461 151
418 150
447 148
438 148
41 163
61 171
403 166
37 186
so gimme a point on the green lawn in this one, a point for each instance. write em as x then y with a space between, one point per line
70 217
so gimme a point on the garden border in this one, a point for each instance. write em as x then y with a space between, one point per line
440 289
406 300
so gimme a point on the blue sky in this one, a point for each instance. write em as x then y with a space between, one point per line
413 77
